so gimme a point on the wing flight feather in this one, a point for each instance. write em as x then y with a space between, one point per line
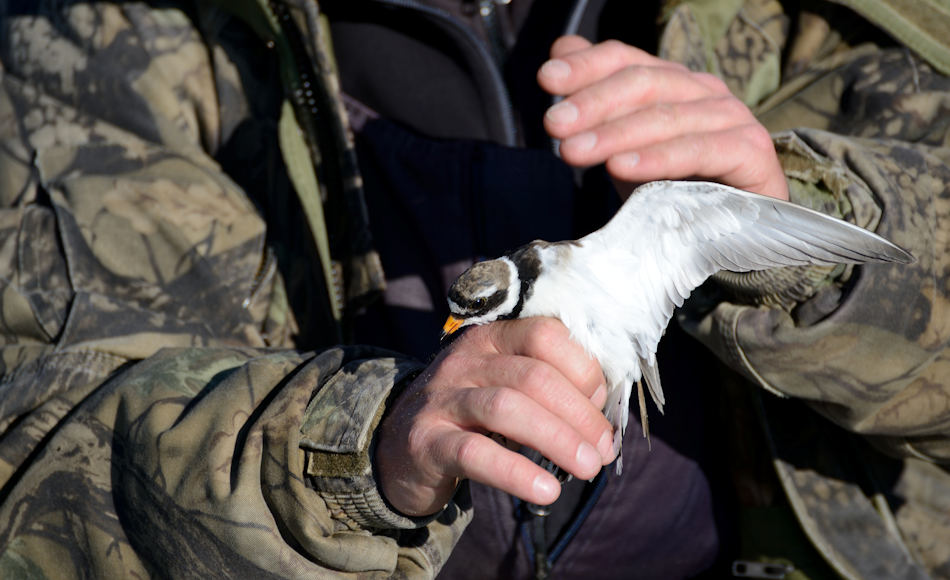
684 231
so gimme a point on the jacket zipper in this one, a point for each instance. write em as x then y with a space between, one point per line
573 24
490 19
497 83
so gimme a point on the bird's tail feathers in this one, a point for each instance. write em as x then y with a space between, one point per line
652 378
617 411
619 461
644 418
617 407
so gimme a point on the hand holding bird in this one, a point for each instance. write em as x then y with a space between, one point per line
523 379
532 379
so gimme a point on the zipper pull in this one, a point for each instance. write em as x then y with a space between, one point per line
770 571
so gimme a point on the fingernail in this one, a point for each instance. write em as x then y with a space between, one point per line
563 112
582 143
588 457
556 69
628 159
606 446
547 487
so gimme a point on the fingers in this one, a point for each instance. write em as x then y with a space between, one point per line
651 124
568 44
547 340
541 385
524 379
722 156
519 417
649 119
537 379
576 66
479 458
628 90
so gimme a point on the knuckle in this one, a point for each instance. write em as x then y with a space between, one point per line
699 147
498 402
473 339
418 441
453 363
666 114
564 438
545 332
621 52
510 470
581 61
617 50
536 377
758 136
468 451
560 45
642 78
592 422
716 84
733 107
591 102
613 45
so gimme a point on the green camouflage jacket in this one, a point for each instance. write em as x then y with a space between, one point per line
862 126
155 419
163 414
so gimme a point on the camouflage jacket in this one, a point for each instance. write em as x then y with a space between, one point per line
160 414
155 417
862 128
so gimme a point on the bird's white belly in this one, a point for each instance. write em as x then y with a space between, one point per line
601 319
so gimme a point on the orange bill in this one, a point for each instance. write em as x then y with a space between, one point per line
451 325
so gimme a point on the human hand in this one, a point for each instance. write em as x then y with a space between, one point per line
650 119
523 379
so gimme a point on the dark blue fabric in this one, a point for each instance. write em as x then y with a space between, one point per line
433 203
668 516
655 521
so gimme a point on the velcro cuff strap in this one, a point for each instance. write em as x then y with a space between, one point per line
338 437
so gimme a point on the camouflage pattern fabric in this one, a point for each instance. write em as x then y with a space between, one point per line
156 415
154 420
863 133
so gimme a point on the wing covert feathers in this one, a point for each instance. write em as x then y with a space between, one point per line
682 232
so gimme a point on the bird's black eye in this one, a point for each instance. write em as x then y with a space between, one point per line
480 303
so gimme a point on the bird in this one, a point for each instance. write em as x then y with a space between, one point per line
617 288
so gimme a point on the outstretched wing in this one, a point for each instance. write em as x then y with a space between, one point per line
681 232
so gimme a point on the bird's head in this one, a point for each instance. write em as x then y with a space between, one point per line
486 292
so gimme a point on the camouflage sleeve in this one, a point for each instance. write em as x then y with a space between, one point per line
154 417
862 135
194 463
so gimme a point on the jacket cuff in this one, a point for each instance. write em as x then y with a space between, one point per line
338 436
